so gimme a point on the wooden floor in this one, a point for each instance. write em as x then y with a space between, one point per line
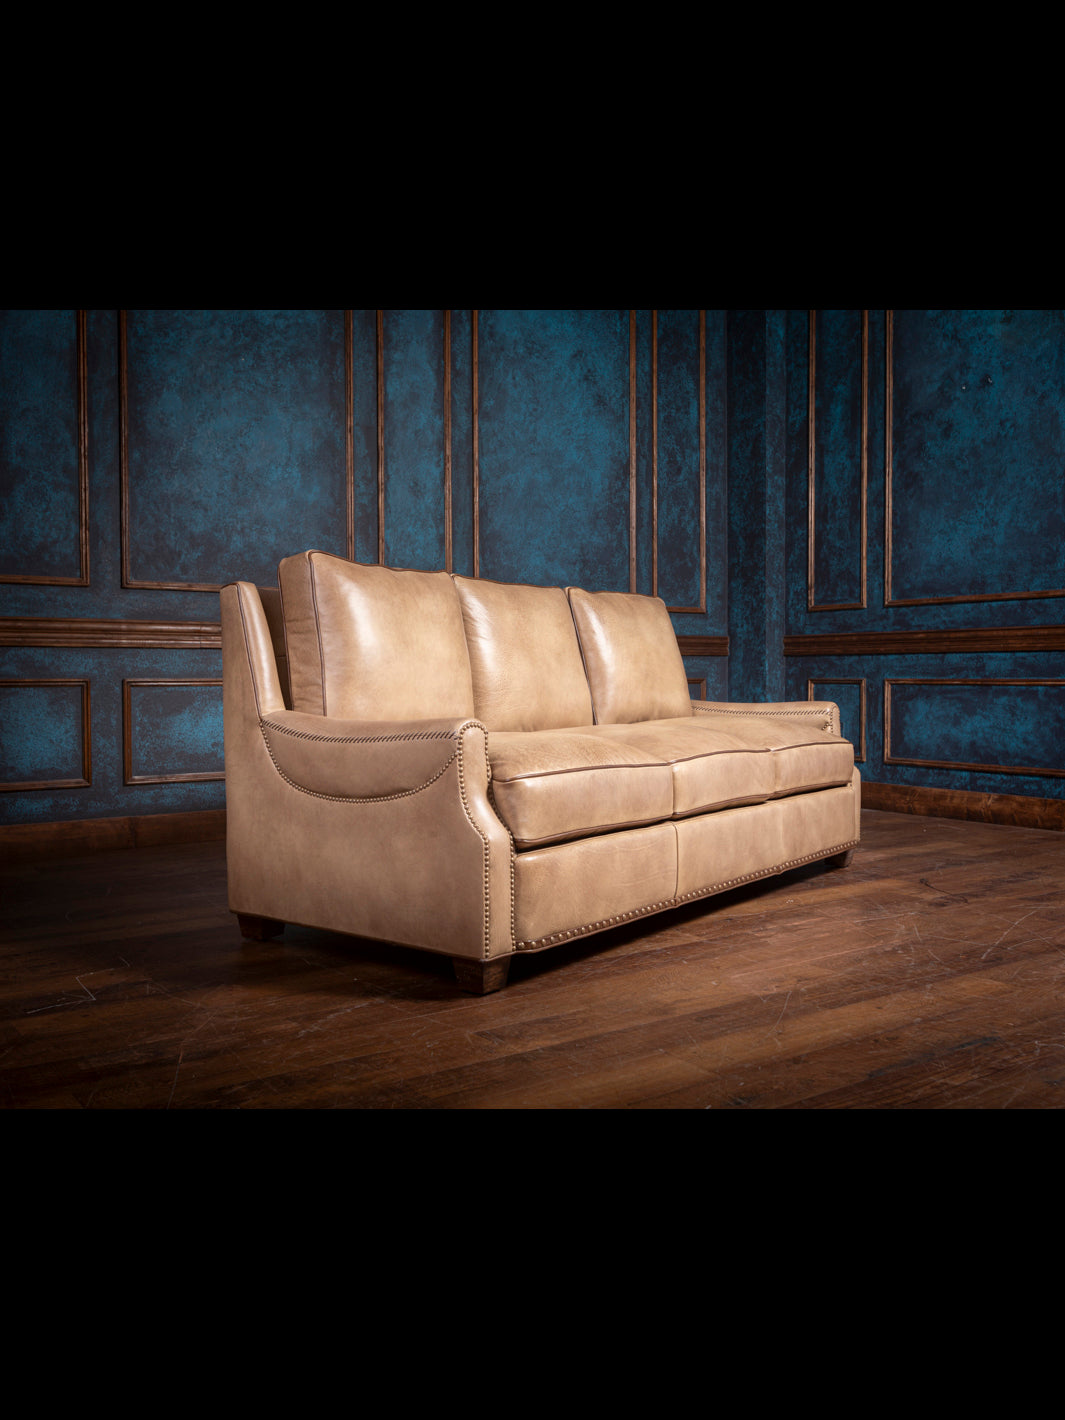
928 975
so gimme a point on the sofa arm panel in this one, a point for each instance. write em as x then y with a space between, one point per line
822 714
358 759
402 846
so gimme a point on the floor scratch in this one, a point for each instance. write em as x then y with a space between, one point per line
778 1020
1008 930
177 1072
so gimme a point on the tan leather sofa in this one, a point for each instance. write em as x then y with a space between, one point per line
479 769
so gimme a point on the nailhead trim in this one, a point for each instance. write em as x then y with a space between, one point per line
555 937
769 872
826 723
703 709
510 837
358 739
486 856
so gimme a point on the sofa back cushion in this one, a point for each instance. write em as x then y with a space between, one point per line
634 665
524 656
373 643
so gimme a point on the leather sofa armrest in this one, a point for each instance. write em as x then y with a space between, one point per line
361 759
822 714
248 651
379 829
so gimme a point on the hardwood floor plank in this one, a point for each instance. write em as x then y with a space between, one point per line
930 974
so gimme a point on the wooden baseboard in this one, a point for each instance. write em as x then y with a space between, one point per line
22 842
1015 809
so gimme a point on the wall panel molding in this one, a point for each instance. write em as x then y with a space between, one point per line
449 521
82 781
703 645
960 641
827 682
553 445
476 437
891 599
349 431
433 470
129 579
380 391
81 415
103 632
633 574
812 604
700 609
196 635
977 766
128 748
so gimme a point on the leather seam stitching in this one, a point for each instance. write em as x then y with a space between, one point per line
660 764
576 769
578 834
358 739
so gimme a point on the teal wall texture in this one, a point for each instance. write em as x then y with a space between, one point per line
802 488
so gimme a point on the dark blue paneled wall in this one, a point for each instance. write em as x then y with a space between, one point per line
149 456
931 504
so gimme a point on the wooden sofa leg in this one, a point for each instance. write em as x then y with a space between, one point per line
841 860
258 929
481 977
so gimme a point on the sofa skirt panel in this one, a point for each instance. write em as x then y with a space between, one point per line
571 890
716 852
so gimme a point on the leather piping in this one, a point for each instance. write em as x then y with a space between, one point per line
247 651
593 831
284 631
318 632
455 735
702 709
585 831
580 647
653 764
352 798
361 739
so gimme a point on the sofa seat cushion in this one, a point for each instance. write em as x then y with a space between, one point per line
554 785
741 760
708 771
